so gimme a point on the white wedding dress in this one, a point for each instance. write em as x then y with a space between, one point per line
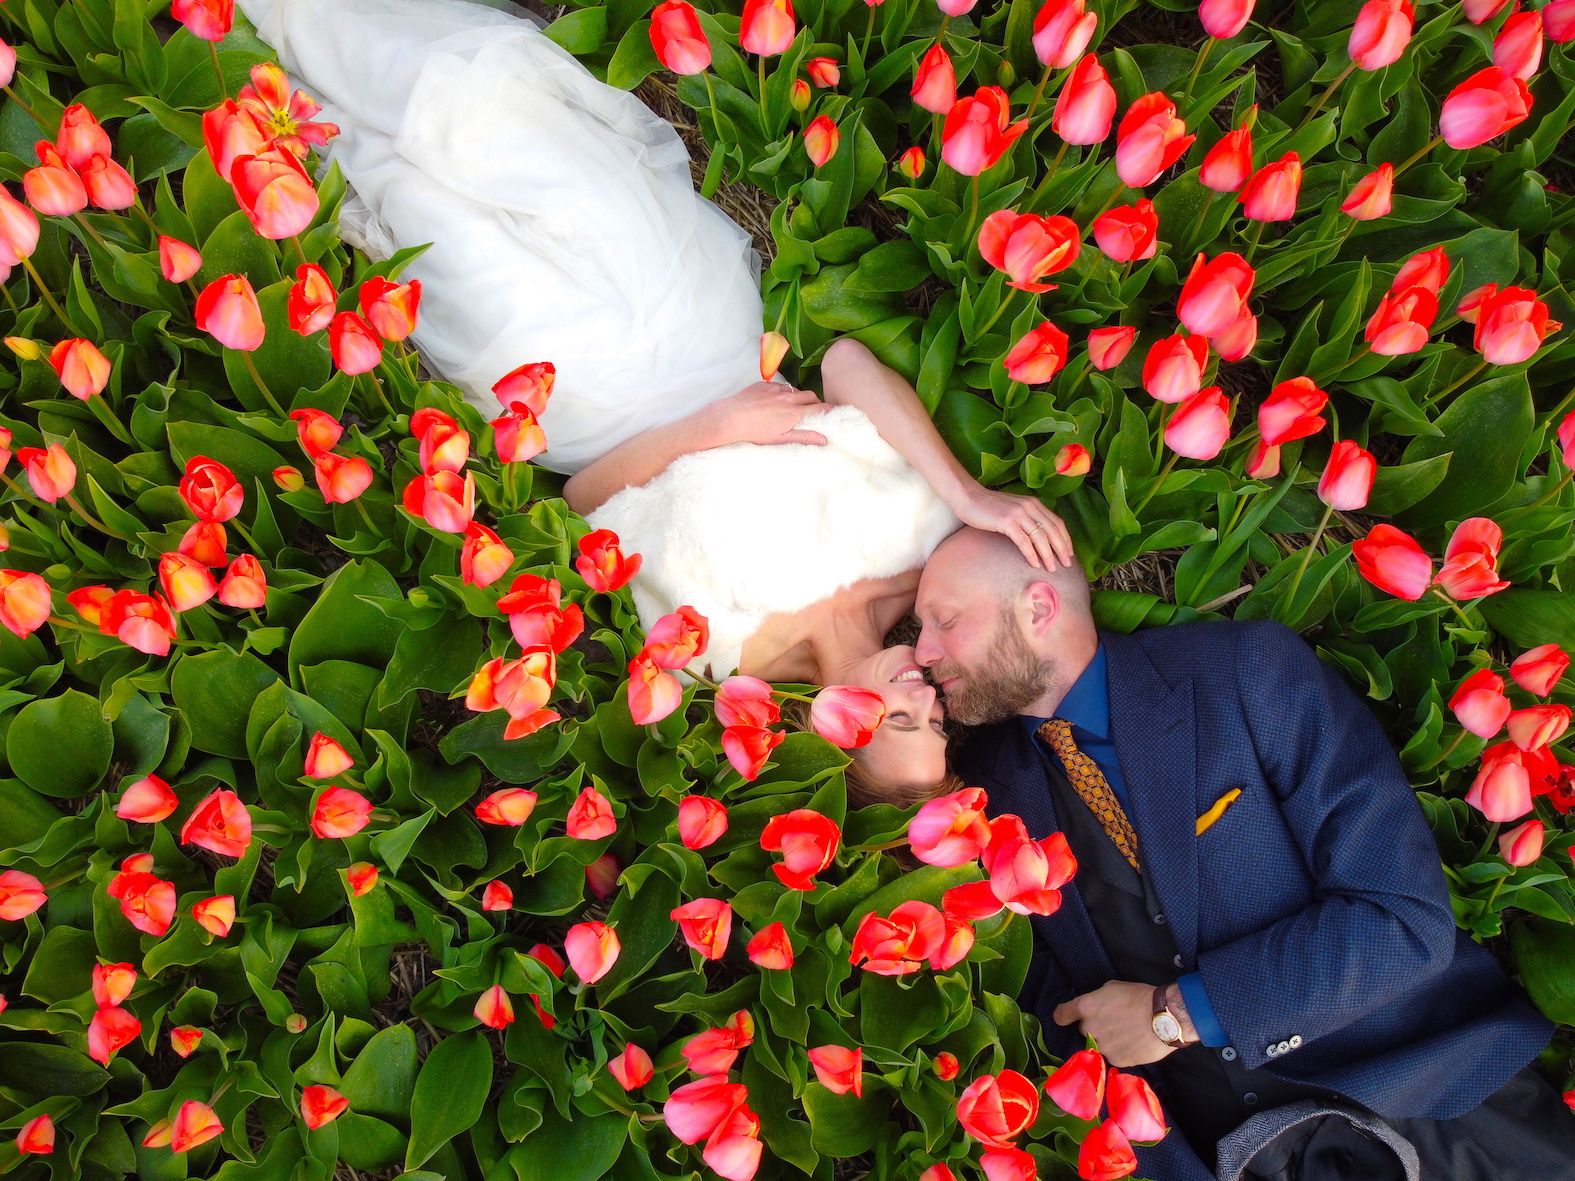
565 227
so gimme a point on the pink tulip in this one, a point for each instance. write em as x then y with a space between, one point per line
1270 193
952 830
1523 845
1538 669
1149 140
1223 19
1517 50
1200 426
1381 33
1173 369
846 715
592 948
1108 347
1347 479
1484 106
1087 104
1062 31
1479 703
1373 196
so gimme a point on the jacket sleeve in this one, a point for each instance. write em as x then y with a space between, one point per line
1380 920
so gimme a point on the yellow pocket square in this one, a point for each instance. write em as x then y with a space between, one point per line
1218 810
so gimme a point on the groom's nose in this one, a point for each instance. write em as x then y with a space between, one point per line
925 650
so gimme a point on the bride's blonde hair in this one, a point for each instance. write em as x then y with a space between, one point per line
863 788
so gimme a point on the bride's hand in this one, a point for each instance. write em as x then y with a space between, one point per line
766 412
1035 530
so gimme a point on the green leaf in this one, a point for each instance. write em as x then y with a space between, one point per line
895 1012
1545 956
215 691
60 746
437 658
634 59
1527 618
844 1125
449 1094
581 31
561 1150
62 966
382 1079
45 1070
340 626
645 930
1398 488
1485 428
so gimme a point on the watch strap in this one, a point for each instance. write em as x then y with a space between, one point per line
1161 1007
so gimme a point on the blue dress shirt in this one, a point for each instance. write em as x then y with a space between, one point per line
1087 706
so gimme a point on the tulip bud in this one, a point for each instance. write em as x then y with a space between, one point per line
1522 846
911 163
28 350
177 260
798 95
1073 460
821 139
289 479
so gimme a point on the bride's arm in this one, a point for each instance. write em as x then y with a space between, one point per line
766 412
854 377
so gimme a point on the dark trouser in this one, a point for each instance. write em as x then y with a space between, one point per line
1521 1132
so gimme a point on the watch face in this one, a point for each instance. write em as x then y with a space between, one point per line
1166 1028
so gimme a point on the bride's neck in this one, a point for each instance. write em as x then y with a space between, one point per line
847 634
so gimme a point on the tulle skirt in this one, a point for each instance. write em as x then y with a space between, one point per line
563 221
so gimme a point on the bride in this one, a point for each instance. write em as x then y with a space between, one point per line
565 227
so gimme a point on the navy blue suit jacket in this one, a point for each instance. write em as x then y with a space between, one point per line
1314 907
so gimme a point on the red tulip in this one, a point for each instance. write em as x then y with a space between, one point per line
444 500
1471 560
1393 562
325 758
362 876
1200 426
537 615
107 184
1479 703
1523 845
767 27
147 801
701 821
696 1110
1401 322
704 924
177 260
846 715
220 824
633 1068
18 230
679 41
771 948
1228 164
1237 341
311 306
497 896
590 816
678 638
207 542
1291 412
899 943
1503 788
445 447
1026 876
355 347
1485 105
517 435
1135 1108
911 165
1086 106
210 20
321 1105
1062 31
1128 232
1538 669
1106 1154
602 562
210 490
823 71
1538 726
946 1066
1073 460
733 1151
530 384
184 1039
484 558
955 945
1223 19
54 186
1481 11
1149 140
494 1009
1005 1164
340 478
808 844
1108 347
287 116
977 134
36 1136
1215 295
1517 50
1347 479
1372 196
230 131
601 875
995 1109
748 747
952 830
20 895
821 138
24 602
1173 369
275 193
714 1051
745 701
227 310
1511 324
392 309
185 581
112 984
1558 18
1428 269
1381 33
1026 246
215 915
520 687
592 949
507 805
839 1069
1038 356
340 812
1078 1084
146 901
141 621
316 431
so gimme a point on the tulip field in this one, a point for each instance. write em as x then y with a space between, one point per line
350 824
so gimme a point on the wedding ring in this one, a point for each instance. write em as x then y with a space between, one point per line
1036 528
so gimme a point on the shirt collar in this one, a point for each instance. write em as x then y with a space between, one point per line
1087 703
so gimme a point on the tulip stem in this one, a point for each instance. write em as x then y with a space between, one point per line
14 97
11 300
251 367
510 493
76 506
1488 844
1203 213
158 232
377 385
1055 165
218 72
1290 599
43 290
1424 150
90 231
1558 410
24 494
973 213
1197 68
1455 607
1324 97
247 534
1453 386
256 618
300 251
1446 752
1252 240
105 415
1158 481
864 46
1005 302
1033 103
365 516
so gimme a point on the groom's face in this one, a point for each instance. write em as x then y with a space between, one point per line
978 656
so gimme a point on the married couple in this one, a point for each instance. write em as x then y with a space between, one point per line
1259 923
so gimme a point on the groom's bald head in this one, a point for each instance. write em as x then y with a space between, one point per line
1001 635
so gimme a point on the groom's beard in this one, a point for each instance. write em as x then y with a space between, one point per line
1011 678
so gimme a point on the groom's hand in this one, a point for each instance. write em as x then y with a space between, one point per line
1119 1016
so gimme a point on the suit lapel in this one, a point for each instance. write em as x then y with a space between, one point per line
1153 727
1019 785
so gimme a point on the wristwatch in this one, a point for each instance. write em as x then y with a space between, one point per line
1166 1025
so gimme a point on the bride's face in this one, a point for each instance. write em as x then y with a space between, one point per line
909 748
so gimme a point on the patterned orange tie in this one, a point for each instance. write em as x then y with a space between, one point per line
1090 783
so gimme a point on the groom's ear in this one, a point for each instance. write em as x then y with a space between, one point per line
1041 607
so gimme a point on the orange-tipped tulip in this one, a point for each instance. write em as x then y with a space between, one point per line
51 473
773 347
705 924
310 305
177 260
215 915
1372 196
494 1009
54 188
362 877
186 581
194 1124
602 562
1073 460
355 347
325 758
24 602
911 163
184 1040
36 1136
484 558
839 1069
342 478
322 1105
316 431
20 895
244 585
392 309
228 311
147 801
771 948
220 824
653 692
821 138
340 812
112 984
508 805
592 948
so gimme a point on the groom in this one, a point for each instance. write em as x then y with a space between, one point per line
1259 923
